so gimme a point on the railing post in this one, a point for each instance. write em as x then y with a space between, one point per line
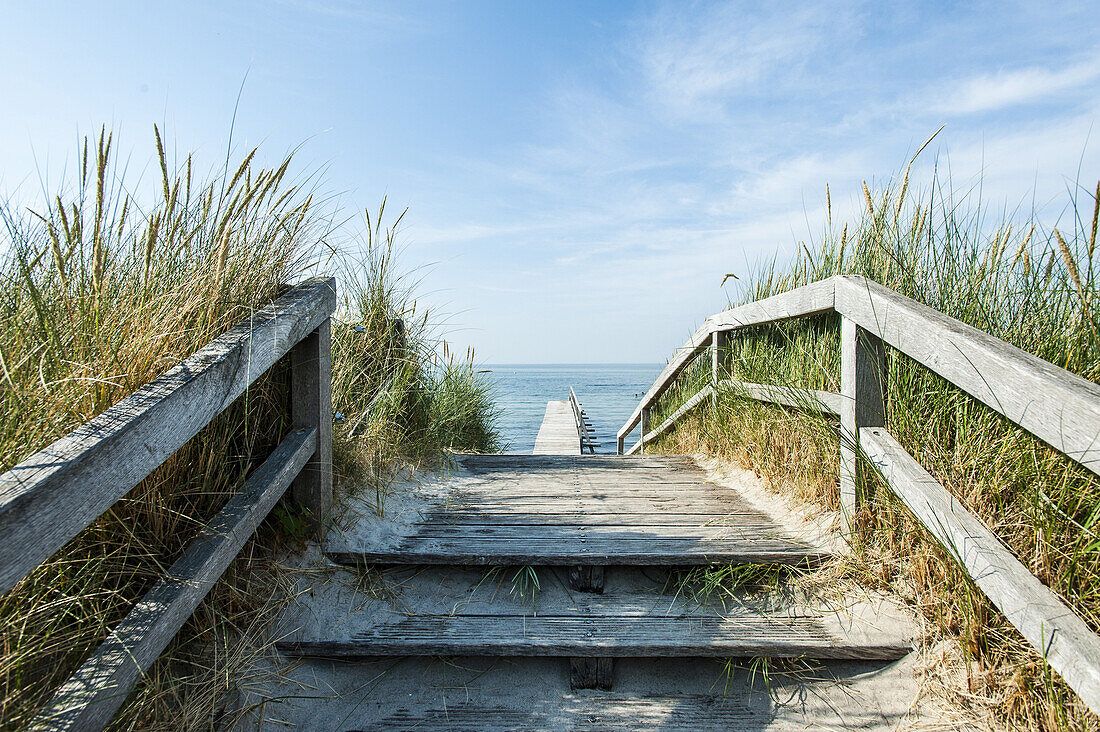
619 445
719 345
643 427
311 406
862 384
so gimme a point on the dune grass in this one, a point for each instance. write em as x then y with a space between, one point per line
101 290
1034 287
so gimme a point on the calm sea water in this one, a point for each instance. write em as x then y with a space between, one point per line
608 393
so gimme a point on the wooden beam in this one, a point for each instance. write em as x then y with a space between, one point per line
826 402
587 578
54 494
811 299
719 346
862 386
1062 638
822 401
92 695
686 407
1060 408
311 406
591 673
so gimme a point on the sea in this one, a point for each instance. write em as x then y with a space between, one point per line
608 393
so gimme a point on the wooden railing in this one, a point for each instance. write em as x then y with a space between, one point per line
584 426
1059 407
54 494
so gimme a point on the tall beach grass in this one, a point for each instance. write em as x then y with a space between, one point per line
1033 285
101 290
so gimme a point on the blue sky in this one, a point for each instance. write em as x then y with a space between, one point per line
579 176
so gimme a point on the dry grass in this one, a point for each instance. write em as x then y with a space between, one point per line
1032 287
101 290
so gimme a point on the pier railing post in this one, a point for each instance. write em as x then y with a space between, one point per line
643 427
862 383
311 406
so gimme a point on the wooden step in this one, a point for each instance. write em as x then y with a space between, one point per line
640 548
571 510
452 611
668 712
609 636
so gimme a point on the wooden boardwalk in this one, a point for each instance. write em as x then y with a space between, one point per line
579 510
601 541
558 432
581 519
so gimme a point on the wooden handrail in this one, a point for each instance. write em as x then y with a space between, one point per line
51 496
808 300
580 420
55 493
1055 405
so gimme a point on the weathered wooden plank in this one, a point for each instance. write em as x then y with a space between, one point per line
581 423
1059 407
599 713
591 673
605 462
827 402
98 688
822 401
557 434
540 505
609 636
311 406
596 550
809 300
52 495
541 509
680 360
699 398
1062 638
586 579
760 529
537 517
718 350
863 388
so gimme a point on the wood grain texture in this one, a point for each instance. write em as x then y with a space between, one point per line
599 713
577 510
607 635
557 433
51 496
1062 638
92 695
311 406
586 579
862 388
826 402
1059 407
809 300
591 673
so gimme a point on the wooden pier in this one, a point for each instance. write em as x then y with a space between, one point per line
565 429
557 434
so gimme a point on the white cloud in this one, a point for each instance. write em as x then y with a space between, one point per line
694 57
1003 89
